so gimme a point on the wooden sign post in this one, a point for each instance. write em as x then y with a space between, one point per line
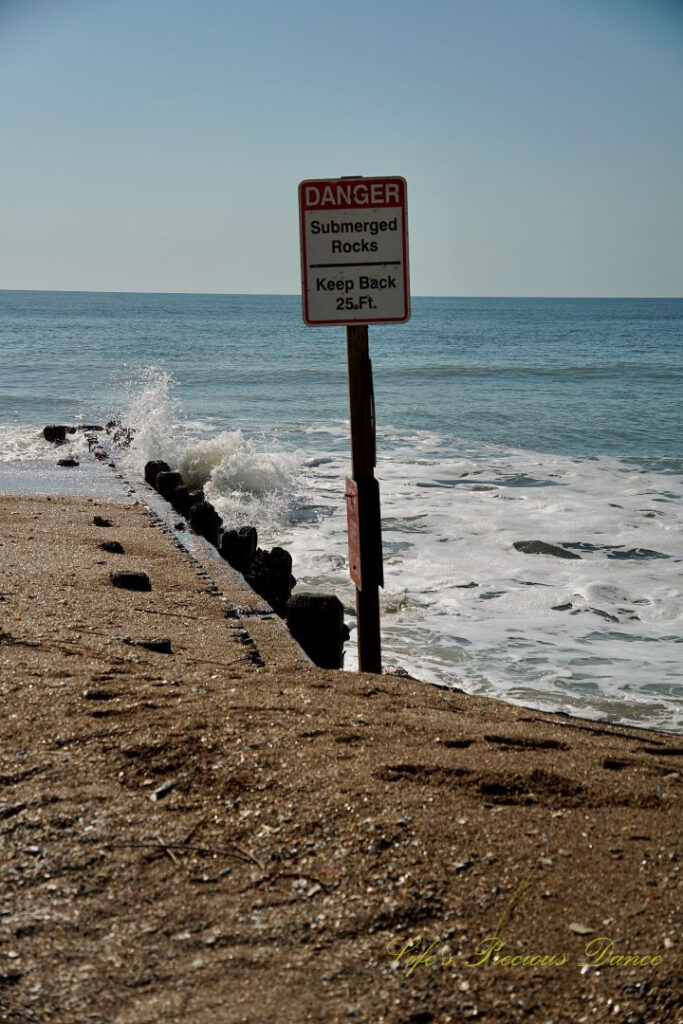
354 259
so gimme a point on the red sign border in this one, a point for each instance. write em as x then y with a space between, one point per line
303 208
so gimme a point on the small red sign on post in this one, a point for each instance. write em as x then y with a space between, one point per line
353 528
354 250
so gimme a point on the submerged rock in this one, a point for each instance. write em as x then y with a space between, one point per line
636 554
56 433
68 461
541 547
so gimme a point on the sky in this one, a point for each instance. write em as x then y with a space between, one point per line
157 145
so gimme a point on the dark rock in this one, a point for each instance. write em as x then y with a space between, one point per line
120 435
112 546
166 483
57 434
540 547
316 621
131 580
152 470
89 426
636 554
183 499
270 575
603 614
205 521
69 460
238 547
562 607
101 521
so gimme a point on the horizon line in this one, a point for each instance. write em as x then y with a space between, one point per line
297 295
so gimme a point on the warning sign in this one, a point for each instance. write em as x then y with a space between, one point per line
354 250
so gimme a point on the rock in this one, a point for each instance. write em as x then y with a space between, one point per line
636 554
238 547
101 521
183 499
131 580
540 547
89 426
152 469
270 575
316 621
166 483
112 546
69 460
205 521
57 434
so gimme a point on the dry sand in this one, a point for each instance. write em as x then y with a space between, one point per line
225 834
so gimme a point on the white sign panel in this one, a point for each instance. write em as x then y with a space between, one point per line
354 250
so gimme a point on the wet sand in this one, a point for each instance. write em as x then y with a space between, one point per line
225 833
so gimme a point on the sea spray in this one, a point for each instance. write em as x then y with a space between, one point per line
248 480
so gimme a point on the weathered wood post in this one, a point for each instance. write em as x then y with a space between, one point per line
365 536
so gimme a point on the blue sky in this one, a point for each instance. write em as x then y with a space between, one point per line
157 145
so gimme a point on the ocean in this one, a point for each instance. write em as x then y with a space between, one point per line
498 420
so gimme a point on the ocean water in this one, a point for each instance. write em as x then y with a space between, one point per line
499 420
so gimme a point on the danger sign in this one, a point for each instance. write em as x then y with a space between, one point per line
354 250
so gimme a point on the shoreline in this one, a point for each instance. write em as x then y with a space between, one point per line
208 831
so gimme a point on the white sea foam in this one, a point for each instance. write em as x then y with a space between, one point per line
27 444
597 635
248 480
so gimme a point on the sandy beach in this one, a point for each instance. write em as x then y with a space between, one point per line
198 825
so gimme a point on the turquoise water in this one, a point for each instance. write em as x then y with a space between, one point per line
498 420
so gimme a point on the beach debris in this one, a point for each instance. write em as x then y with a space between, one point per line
580 929
541 547
101 521
112 546
161 791
158 644
152 470
68 460
129 580
56 434
316 621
